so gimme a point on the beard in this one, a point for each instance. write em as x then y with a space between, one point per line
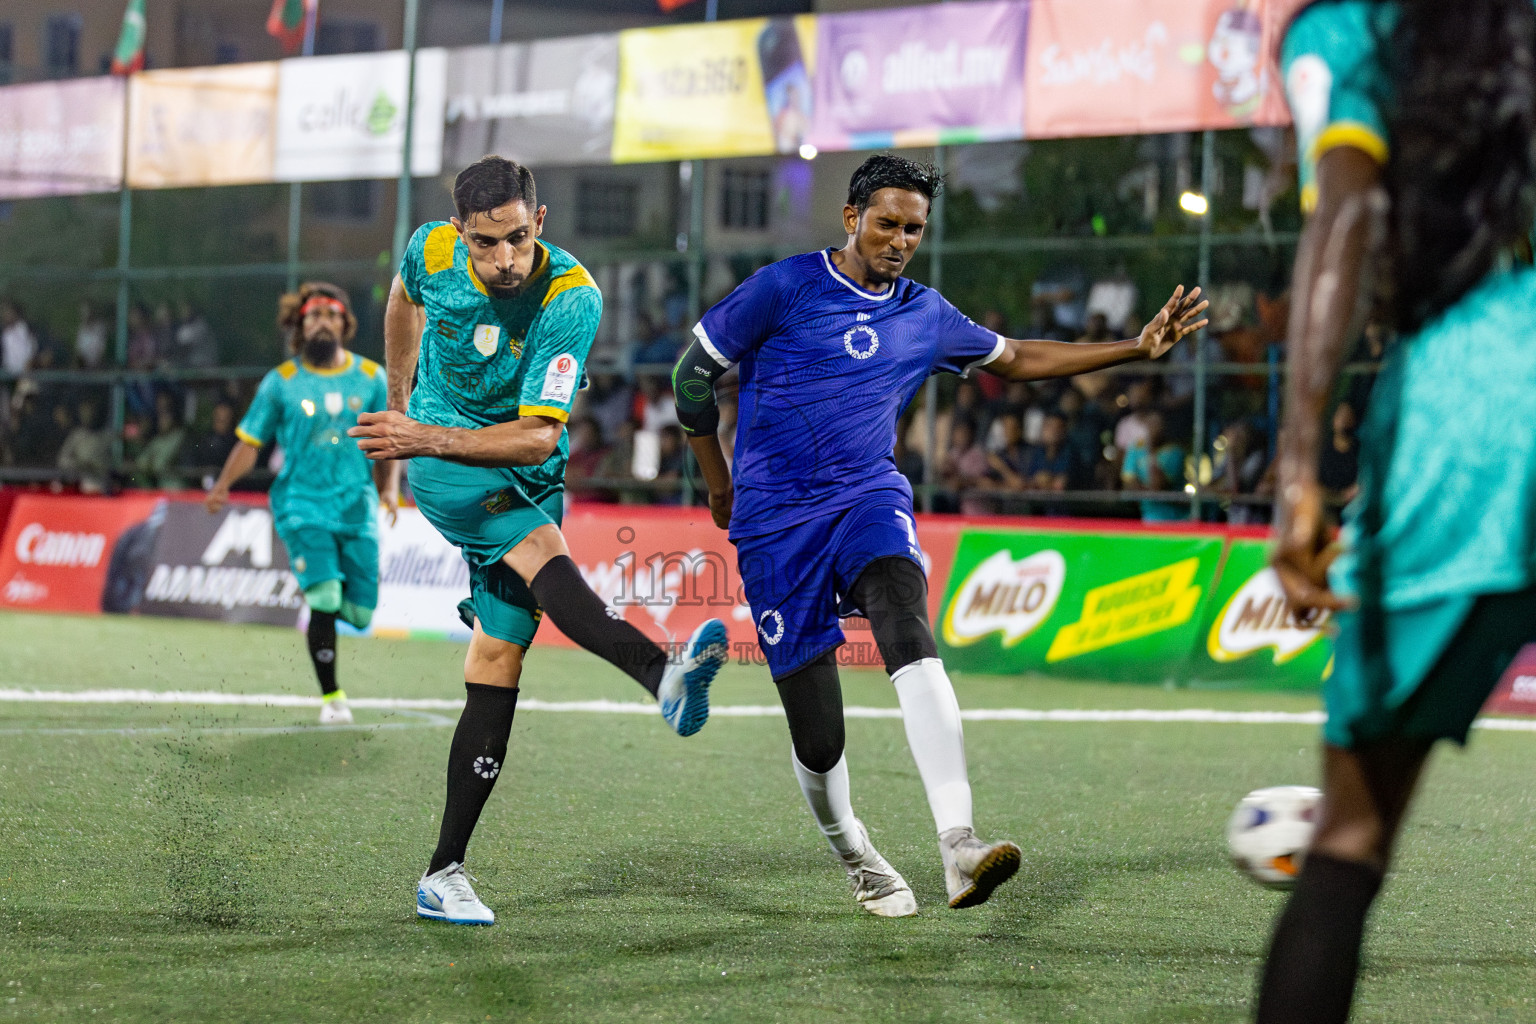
320 350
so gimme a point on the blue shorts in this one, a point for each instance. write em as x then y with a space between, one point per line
797 579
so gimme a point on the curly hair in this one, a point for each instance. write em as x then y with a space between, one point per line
1461 117
290 319
886 171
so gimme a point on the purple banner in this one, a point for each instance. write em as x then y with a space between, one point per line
61 138
920 76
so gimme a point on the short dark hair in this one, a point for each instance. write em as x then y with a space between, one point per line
886 171
490 182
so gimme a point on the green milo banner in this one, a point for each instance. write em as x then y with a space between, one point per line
1133 607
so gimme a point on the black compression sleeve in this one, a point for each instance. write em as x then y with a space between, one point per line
693 389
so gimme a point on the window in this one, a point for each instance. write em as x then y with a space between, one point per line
744 199
354 201
342 35
61 45
6 57
605 209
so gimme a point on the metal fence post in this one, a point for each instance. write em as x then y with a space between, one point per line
931 387
403 187
1203 278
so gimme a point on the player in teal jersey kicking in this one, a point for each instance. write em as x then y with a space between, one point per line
324 497
1416 121
487 334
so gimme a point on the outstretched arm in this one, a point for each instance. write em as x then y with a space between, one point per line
527 441
1037 360
403 323
1327 309
241 460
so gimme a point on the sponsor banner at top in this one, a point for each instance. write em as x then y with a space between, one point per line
921 76
61 138
202 126
545 102
344 117
730 88
1124 67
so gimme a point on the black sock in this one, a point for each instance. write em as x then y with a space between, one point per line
322 648
582 616
474 761
1314 956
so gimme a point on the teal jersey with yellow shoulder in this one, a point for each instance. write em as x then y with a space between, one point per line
486 359
325 481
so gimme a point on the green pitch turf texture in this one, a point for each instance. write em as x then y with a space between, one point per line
196 872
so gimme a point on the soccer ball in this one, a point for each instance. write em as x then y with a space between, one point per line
1269 832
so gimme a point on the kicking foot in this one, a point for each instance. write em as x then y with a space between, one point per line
878 887
684 690
334 710
446 895
972 868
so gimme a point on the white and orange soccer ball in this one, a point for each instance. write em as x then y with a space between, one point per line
1269 832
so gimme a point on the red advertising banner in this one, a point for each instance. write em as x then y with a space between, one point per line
1126 67
1516 692
57 550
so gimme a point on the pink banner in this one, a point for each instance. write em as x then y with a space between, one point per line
61 138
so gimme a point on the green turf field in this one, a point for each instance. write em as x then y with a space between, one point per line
238 864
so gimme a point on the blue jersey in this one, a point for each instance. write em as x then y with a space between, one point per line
826 370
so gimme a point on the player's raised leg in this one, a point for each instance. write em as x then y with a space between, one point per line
813 705
893 593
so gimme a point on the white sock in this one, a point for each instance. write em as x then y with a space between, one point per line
827 795
932 717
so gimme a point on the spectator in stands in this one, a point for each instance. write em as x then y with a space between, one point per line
1017 399
672 462
1095 384
967 407
208 451
655 344
609 401
87 452
1156 464
1339 466
1006 465
91 338
1087 429
618 463
654 407
142 351
193 344
965 468
156 462
1133 428
908 463
1237 466
587 454
18 345
990 384
1048 466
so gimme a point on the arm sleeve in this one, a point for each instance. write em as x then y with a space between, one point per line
693 390
557 353
413 268
961 344
259 426
1334 85
742 320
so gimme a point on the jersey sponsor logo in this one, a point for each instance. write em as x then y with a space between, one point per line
1005 595
1258 617
487 337
773 618
37 545
560 379
862 317
861 342
334 403
354 403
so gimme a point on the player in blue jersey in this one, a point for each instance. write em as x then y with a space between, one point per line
832 346
324 497
486 334
1416 122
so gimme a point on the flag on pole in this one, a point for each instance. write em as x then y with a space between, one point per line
129 55
289 20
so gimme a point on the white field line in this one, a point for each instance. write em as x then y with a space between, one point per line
290 700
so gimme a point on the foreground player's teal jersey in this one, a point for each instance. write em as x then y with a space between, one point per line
486 359
1448 465
326 481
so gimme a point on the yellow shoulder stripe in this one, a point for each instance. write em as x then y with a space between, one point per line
437 251
544 410
288 369
1351 133
247 438
576 277
368 366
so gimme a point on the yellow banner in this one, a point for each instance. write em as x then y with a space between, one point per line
202 126
696 91
1134 607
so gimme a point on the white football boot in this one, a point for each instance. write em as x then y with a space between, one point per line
446 895
684 690
878 887
335 710
972 868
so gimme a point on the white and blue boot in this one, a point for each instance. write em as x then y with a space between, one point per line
684 689
446 895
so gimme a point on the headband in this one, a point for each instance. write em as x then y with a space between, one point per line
322 302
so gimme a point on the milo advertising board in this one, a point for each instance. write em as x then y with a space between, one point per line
1101 606
1251 635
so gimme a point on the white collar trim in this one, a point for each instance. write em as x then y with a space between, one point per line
826 261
